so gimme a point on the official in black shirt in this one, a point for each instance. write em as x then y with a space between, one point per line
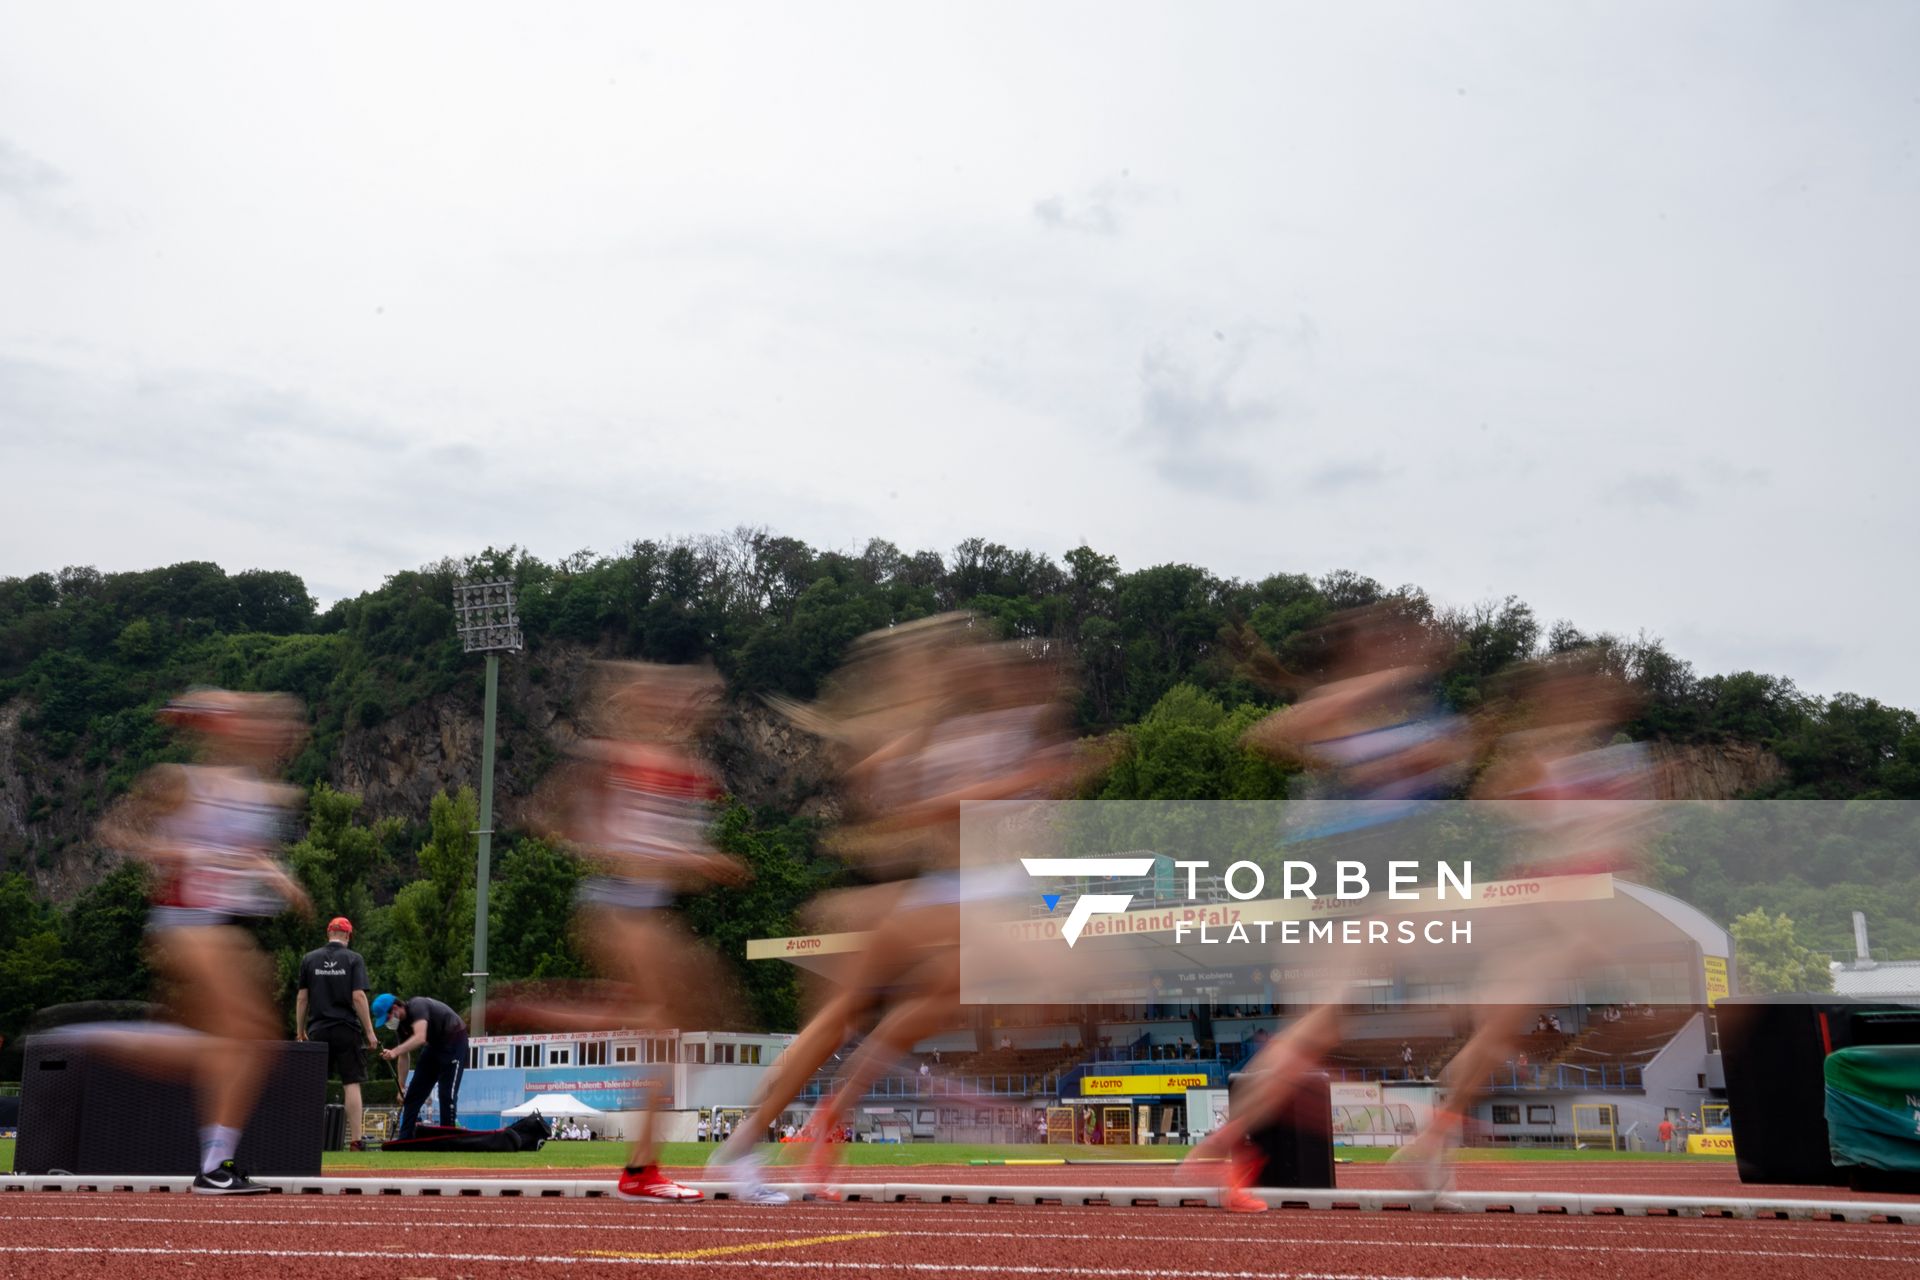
331 1009
425 1024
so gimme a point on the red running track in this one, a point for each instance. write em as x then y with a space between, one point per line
106 1236
1681 1177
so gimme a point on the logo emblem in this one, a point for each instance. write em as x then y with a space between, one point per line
1088 905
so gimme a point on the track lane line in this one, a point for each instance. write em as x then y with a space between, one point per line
1709 1250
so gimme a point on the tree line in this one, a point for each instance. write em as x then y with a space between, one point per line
1157 654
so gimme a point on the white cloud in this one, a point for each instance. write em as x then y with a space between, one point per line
1608 306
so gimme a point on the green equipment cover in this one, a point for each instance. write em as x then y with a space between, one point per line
1873 1106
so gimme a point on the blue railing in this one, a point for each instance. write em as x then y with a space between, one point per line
1366 1075
1011 1085
1141 1053
1564 1077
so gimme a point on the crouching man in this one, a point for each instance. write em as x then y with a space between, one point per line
429 1026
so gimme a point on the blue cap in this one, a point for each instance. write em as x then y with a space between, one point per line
382 1006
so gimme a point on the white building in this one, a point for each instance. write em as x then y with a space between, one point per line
620 1073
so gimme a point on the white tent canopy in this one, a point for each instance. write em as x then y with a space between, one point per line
552 1106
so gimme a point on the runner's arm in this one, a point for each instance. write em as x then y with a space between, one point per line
128 825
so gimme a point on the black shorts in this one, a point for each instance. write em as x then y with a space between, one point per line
346 1052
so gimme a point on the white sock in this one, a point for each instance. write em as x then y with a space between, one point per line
218 1142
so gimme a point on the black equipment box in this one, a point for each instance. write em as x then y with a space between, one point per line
85 1111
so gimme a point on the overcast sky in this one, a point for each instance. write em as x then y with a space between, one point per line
1614 307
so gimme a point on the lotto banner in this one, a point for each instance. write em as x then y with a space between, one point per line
1120 1086
1710 1144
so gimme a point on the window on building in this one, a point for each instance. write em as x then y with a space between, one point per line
1506 1113
723 1053
593 1053
750 1054
697 1053
495 1056
560 1055
662 1051
527 1055
1539 1115
628 1052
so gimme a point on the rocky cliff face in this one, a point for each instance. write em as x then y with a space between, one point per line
1717 771
398 765
47 810
48 806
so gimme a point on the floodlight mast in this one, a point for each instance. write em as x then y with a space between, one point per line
486 622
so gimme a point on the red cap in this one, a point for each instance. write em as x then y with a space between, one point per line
339 924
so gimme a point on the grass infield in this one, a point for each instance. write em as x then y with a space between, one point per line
608 1156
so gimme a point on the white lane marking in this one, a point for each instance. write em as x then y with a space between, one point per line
966 1268
1245 1232
1235 1241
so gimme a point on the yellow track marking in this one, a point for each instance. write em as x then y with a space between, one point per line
719 1250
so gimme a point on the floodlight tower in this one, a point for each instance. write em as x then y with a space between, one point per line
483 615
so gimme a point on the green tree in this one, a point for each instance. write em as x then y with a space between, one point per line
530 915
339 857
337 863
432 918
1771 959
779 850
1188 748
104 933
35 971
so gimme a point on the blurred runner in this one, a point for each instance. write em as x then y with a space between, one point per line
1001 735
637 802
1372 727
1581 805
871 713
209 830
927 716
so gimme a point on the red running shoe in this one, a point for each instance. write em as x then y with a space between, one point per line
650 1185
822 1168
1241 1171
